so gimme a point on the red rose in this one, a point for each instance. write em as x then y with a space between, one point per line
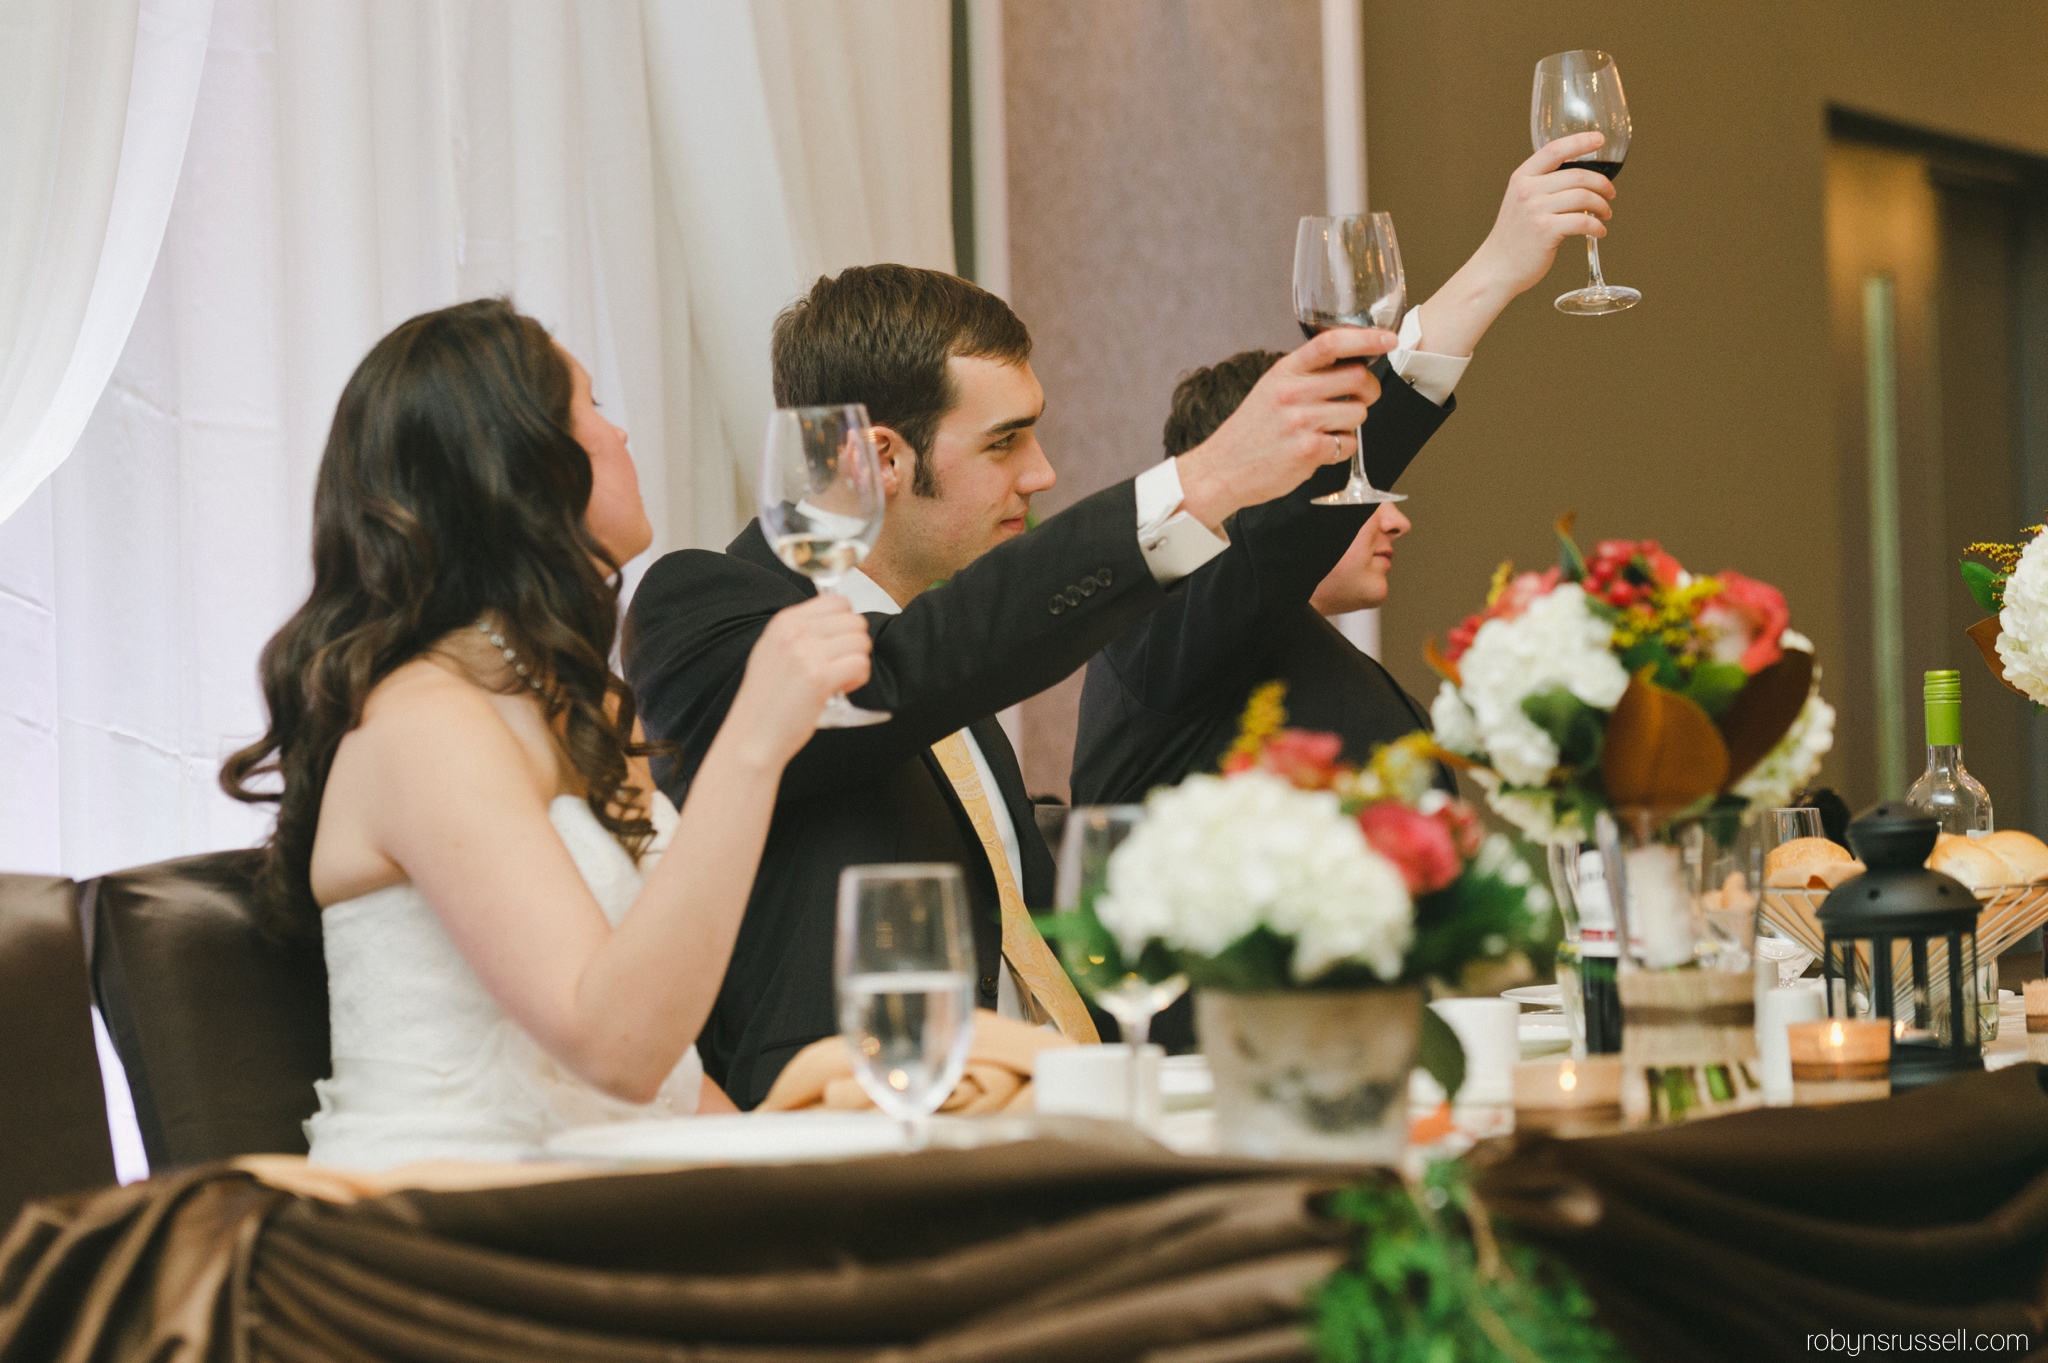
1459 820
1420 845
1300 757
1744 620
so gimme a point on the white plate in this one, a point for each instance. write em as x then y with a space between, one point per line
749 1138
1185 1082
1536 995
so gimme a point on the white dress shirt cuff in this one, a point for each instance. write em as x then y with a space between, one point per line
1173 542
1434 376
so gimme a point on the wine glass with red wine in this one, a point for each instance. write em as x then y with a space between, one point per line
1347 273
1580 92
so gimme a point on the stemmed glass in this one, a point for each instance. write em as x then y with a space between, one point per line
904 965
1781 826
821 507
1580 92
1093 832
1347 273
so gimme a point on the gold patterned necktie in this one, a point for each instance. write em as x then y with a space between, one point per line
1023 948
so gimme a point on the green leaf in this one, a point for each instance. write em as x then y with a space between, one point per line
1570 561
1652 653
1986 584
1442 1055
1572 724
1714 686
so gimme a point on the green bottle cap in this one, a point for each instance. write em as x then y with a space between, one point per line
1943 693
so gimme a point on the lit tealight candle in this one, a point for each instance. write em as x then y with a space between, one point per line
1840 1060
1558 1091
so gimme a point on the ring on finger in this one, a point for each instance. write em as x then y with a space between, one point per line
1336 447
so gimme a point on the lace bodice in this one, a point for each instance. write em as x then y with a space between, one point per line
426 1064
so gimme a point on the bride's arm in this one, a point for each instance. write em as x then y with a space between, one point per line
457 809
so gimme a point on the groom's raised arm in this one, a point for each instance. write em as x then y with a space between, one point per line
1017 620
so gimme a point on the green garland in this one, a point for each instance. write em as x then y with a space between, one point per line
1432 1283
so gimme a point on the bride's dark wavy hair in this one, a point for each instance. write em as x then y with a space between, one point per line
450 486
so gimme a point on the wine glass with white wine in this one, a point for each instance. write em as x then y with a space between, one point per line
1580 92
821 507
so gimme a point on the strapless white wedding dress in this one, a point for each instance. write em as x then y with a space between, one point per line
426 1064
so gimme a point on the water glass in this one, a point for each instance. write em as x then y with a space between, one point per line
905 971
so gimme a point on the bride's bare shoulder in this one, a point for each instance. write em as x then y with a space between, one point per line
431 711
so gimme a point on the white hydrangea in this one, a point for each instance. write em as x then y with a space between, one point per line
2023 624
1217 857
1451 720
1532 811
1557 641
1787 768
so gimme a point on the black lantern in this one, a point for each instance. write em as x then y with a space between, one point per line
1902 941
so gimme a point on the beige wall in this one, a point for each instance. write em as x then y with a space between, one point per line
1705 418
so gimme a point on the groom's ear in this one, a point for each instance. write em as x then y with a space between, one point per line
897 458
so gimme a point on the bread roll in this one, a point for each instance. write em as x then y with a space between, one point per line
2025 856
1970 861
1798 864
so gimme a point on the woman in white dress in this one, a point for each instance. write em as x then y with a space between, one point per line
521 934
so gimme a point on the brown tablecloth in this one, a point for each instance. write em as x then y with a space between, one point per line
1734 1238
1740 1236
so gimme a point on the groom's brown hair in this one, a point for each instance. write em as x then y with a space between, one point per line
881 335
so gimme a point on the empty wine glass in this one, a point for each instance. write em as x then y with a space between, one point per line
1347 273
821 507
905 971
1781 826
1094 832
1580 92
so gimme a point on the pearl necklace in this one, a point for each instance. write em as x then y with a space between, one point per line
483 627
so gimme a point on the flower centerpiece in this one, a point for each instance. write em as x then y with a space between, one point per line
1309 902
1624 682
1620 695
2010 583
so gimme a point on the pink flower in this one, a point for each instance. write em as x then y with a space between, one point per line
1744 620
1300 757
1513 600
1420 845
1467 832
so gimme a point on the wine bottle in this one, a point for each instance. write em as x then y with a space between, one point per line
1599 956
1946 790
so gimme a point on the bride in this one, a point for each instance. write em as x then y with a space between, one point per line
521 933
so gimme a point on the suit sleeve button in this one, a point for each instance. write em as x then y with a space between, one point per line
1058 605
1089 586
1103 576
1073 596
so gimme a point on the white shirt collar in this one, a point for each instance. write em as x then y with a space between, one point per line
867 597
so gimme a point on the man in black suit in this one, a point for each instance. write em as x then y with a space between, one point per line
1163 699
944 370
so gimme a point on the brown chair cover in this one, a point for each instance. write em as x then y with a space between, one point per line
1738 1237
53 1112
222 1031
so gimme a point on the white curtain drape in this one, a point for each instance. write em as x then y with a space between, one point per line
652 181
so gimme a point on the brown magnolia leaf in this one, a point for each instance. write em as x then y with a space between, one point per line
1763 711
1661 751
1984 634
1441 665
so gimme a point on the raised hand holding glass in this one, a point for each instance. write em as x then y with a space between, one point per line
1347 273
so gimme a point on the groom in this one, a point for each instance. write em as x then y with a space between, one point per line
944 369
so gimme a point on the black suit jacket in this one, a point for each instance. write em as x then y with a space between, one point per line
1163 698
1022 617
